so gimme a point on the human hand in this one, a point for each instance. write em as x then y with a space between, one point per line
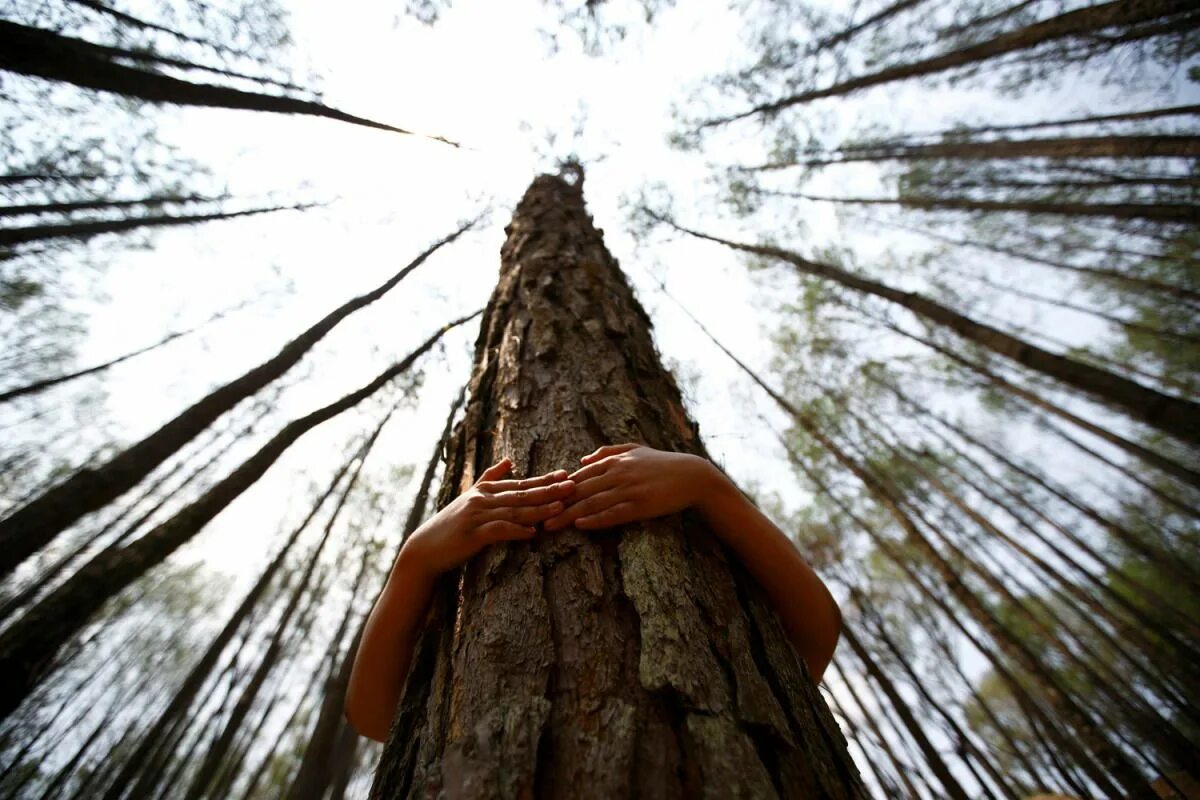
629 482
493 510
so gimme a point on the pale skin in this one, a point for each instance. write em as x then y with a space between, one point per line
616 485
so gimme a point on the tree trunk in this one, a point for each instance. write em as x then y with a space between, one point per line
1156 212
1147 455
45 54
1125 116
1092 738
81 231
1067 147
933 759
151 750
1080 23
1180 292
637 661
35 524
96 205
43 384
28 646
318 764
1174 415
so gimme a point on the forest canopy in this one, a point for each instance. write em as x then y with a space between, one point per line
925 273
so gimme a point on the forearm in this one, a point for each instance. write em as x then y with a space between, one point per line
809 614
385 651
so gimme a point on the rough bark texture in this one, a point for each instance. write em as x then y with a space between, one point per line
640 661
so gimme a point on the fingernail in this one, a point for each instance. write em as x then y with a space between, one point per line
556 507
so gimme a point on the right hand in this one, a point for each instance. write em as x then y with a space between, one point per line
493 510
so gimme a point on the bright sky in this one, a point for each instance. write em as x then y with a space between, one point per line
483 75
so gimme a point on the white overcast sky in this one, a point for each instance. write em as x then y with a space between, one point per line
485 76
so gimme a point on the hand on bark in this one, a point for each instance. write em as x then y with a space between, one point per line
493 510
624 483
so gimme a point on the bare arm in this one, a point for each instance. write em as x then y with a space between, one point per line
626 483
492 511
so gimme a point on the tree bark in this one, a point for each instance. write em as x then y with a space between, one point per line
1155 212
11 237
1124 116
1174 415
45 54
1081 23
640 661
1067 147
35 524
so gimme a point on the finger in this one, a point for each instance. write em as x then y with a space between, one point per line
594 485
524 515
496 471
502 531
608 450
524 483
590 505
591 470
533 497
619 514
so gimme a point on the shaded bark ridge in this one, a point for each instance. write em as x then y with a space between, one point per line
634 662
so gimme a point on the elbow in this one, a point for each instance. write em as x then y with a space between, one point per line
361 723
822 653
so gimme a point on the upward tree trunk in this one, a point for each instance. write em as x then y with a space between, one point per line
46 54
637 661
1069 147
1082 23
1177 416
28 646
35 524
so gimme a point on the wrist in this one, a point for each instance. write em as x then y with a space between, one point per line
713 489
412 568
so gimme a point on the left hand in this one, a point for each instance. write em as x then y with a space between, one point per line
624 483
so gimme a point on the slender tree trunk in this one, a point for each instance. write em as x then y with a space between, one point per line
1060 148
318 765
1124 116
35 524
304 598
150 753
850 31
42 385
1113 759
1182 213
902 768
1147 455
28 646
45 54
933 758
96 205
640 661
1174 415
1081 23
82 231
